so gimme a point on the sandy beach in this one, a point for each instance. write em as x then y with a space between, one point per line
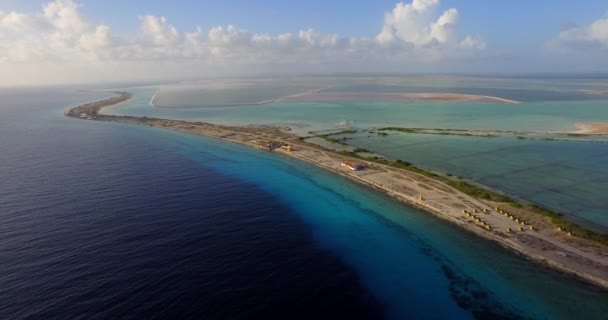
519 229
592 128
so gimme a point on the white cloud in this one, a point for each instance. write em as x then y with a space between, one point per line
101 38
419 27
412 32
473 42
414 23
229 37
64 16
598 30
13 20
592 37
58 33
443 29
159 31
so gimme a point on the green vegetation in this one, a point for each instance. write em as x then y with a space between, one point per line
578 231
573 140
516 205
440 131
406 130
361 150
333 140
340 141
405 163
521 138
477 192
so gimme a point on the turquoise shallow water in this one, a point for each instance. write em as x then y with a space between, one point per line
311 116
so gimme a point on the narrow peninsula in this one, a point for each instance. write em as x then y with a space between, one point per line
526 229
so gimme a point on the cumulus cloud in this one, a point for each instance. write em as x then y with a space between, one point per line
409 26
419 25
64 16
59 33
585 38
159 31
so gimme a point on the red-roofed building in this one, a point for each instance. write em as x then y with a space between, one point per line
352 166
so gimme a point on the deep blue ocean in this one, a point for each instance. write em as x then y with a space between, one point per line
112 221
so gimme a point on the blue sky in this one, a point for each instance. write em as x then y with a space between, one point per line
480 36
511 21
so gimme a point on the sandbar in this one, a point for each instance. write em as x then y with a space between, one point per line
321 96
594 91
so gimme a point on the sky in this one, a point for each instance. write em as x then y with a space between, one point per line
92 41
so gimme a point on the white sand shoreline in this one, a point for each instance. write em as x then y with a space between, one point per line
151 102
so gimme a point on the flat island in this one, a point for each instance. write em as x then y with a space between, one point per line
526 229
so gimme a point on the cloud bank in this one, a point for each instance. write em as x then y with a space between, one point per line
60 34
57 43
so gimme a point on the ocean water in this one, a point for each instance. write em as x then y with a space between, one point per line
111 221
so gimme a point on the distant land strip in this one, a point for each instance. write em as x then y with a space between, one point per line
320 95
584 130
91 110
